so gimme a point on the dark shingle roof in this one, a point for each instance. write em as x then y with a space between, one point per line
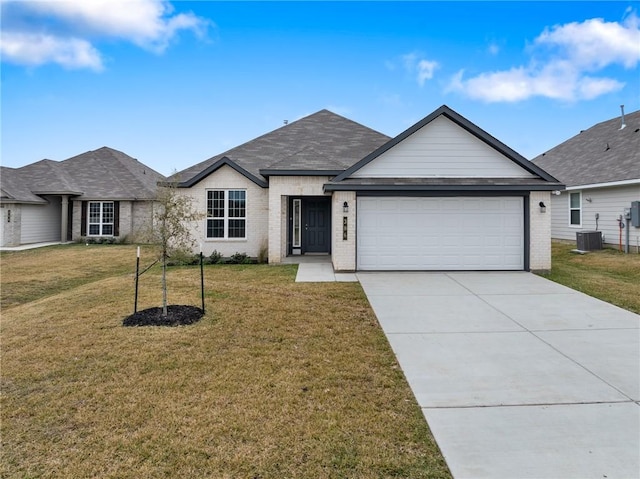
109 173
104 173
604 153
13 187
322 141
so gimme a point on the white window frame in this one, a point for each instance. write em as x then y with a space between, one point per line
226 214
578 209
102 221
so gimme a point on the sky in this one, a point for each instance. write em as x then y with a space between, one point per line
173 83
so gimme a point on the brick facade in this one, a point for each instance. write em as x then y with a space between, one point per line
226 178
280 189
343 251
540 231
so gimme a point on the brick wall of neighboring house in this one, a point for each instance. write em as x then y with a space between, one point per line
343 252
280 189
540 231
227 178
126 216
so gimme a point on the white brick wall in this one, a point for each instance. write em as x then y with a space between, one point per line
280 189
257 213
540 231
343 252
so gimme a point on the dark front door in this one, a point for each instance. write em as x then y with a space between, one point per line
316 222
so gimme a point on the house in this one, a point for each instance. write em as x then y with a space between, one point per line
601 169
442 195
98 194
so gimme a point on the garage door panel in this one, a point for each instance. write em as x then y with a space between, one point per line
452 233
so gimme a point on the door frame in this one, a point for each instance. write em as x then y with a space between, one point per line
292 206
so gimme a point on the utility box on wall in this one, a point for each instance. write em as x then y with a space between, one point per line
589 240
635 214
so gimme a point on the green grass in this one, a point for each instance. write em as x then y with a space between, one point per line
278 380
605 274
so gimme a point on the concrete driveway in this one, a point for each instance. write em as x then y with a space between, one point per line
517 376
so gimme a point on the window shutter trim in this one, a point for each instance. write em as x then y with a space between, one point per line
83 219
116 218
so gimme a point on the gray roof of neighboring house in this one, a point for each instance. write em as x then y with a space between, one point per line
104 173
13 187
321 142
604 153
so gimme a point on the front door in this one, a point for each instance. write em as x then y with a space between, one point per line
316 225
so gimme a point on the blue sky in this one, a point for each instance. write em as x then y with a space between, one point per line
174 83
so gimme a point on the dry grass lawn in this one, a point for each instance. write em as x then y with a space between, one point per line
278 380
605 274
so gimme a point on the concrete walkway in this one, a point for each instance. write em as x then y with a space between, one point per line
318 269
23 247
517 376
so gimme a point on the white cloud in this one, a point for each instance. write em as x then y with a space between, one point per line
73 25
575 50
423 69
36 49
595 44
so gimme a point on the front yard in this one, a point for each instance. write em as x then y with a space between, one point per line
278 380
605 274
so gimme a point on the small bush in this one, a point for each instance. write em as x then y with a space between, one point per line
238 258
215 257
183 258
98 240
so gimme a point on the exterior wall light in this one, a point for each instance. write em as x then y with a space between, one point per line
543 207
345 207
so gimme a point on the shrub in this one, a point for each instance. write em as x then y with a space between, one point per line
238 258
97 240
215 257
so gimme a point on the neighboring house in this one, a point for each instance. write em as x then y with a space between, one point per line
601 169
443 195
101 193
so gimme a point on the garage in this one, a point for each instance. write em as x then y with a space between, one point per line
440 233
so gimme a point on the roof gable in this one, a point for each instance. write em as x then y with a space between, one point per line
444 145
441 149
604 153
213 168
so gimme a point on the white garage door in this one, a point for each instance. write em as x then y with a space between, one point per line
458 233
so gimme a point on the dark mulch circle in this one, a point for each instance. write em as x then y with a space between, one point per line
177 315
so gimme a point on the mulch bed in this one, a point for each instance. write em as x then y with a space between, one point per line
177 315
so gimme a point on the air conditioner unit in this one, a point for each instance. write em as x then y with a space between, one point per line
589 240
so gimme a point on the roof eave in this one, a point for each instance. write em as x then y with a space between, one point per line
293 172
417 188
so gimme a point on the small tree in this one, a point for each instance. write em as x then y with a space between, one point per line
173 218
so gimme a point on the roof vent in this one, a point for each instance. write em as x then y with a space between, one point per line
623 123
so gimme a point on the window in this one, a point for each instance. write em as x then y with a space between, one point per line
226 214
575 209
101 218
297 208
